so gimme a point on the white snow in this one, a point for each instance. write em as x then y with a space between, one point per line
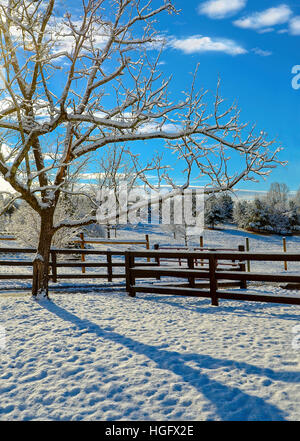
95 354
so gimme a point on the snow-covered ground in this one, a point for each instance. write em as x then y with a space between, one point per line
93 353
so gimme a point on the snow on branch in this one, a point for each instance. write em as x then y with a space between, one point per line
112 94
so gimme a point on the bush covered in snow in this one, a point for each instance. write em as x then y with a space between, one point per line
265 216
24 225
218 209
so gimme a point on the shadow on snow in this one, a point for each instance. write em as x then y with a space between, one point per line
230 403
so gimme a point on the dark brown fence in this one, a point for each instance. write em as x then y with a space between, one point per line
112 260
196 260
82 241
108 264
100 241
212 274
219 270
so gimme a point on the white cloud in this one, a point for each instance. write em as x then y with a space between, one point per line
200 44
221 8
265 30
266 19
282 31
153 127
64 40
261 52
295 25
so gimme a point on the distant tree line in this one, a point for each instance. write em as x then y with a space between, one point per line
276 212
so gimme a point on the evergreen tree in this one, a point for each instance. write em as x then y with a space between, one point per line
292 215
275 214
241 213
226 205
213 212
258 215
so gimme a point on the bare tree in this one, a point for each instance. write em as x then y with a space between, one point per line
73 84
278 195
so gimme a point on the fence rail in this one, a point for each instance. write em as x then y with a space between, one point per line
196 249
207 281
86 240
96 241
109 264
215 276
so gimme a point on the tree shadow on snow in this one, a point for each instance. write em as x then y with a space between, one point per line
230 403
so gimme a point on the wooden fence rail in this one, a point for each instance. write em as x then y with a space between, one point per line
100 241
192 248
109 264
146 264
82 241
213 274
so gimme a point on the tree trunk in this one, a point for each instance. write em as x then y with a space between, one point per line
41 260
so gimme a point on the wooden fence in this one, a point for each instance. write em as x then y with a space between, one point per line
200 249
96 241
109 264
82 241
212 273
219 269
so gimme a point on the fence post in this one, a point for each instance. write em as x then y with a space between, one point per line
130 280
53 266
201 246
82 255
243 283
248 249
156 247
190 261
201 241
109 266
147 245
212 280
284 250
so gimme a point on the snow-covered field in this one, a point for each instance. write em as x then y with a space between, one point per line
96 354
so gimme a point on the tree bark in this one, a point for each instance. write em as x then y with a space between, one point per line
40 279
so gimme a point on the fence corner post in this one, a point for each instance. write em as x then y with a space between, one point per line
213 280
130 280
190 262
109 266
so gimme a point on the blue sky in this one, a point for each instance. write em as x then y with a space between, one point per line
252 45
